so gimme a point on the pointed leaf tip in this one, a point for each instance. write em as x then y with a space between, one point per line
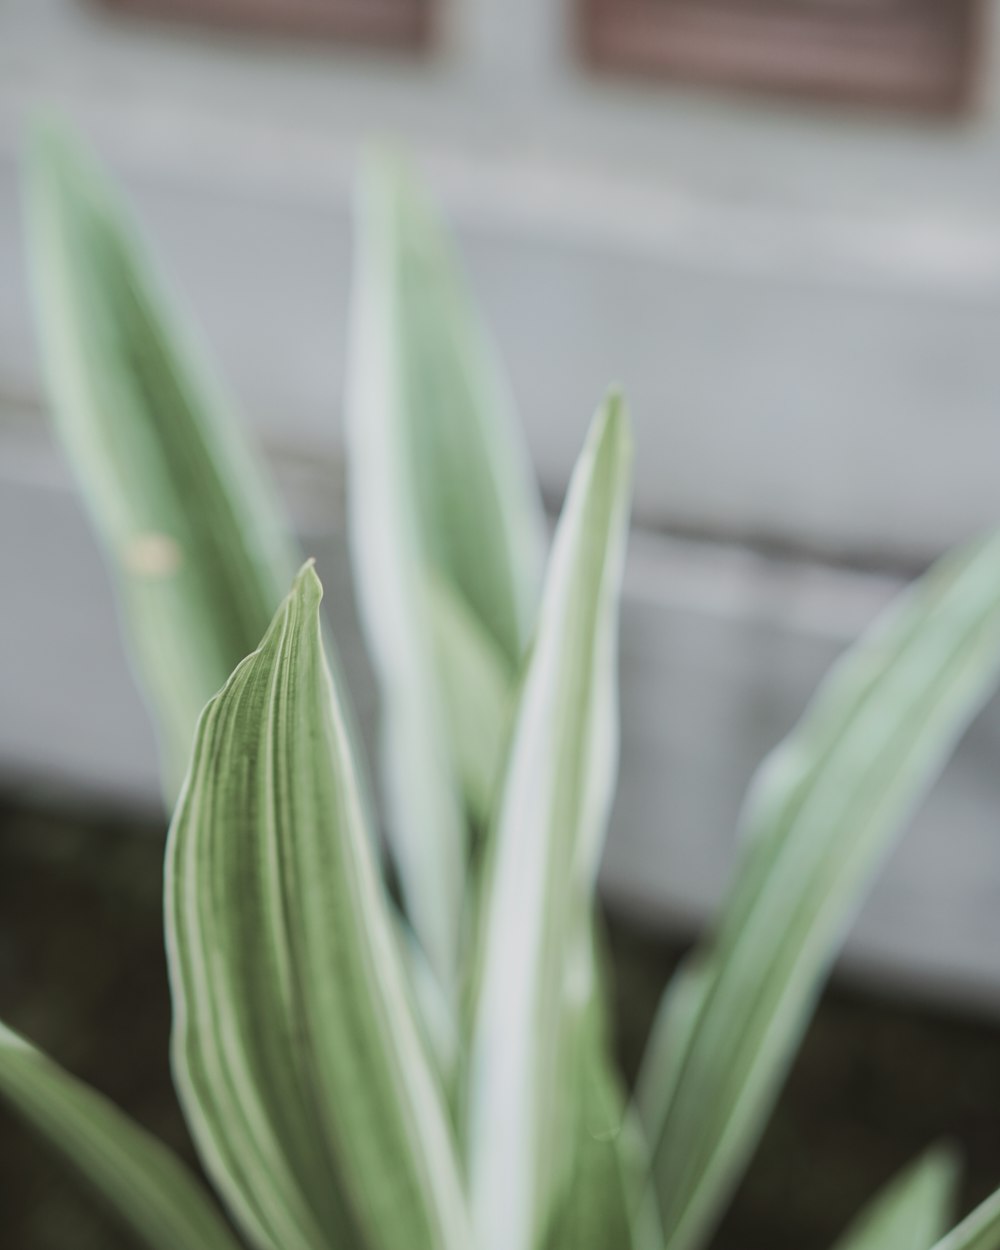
307 584
538 981
912 1211
163 461
303 1075
612 427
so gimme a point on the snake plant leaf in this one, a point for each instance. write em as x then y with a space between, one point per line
820 819
600 1207
195 541
439 484
595 1213
537 975
297 1054
477 695
978 1231
663 1059
912 1212
142 1182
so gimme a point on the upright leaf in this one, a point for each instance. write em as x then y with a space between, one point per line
537 976
477 695
913 1210
146 1187
196 544
439 490
607 1201
600 1206
820 820
296 1051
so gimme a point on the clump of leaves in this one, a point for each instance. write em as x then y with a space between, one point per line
437 1076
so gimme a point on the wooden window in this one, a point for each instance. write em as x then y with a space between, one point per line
914 53
404 23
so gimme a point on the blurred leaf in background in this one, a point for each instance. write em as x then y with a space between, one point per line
447 541
303 1066
197 545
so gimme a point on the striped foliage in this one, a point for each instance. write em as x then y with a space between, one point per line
820 819
298 1058
141 1182
355 1080
444 518
537 979
194 538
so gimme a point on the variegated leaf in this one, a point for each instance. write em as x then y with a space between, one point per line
820 820
439 488
537 978
196 543
145 1186
297 1053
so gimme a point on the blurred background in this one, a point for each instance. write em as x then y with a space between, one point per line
777 223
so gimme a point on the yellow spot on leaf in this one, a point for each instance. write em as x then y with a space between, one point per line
153 555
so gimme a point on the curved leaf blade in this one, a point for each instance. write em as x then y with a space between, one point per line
439 488
537 976
820 819
140 1180
196 543
298 1058
911 1212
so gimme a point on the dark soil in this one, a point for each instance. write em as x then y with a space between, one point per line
82 974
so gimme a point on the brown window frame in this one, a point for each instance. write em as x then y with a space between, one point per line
918 54
389 23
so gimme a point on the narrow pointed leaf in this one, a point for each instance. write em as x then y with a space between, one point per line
913 1210
537 978
978 1231
470 493
296 1050
144 1185
195 542
820 820
439 485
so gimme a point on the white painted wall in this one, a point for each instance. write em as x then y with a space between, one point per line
803 302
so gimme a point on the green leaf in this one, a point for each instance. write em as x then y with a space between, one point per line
537 976
596 1211
196 544
439 489
978 1231
911 1212
663 1060
606 1203
820 820
296 1050
475 683
140 1180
